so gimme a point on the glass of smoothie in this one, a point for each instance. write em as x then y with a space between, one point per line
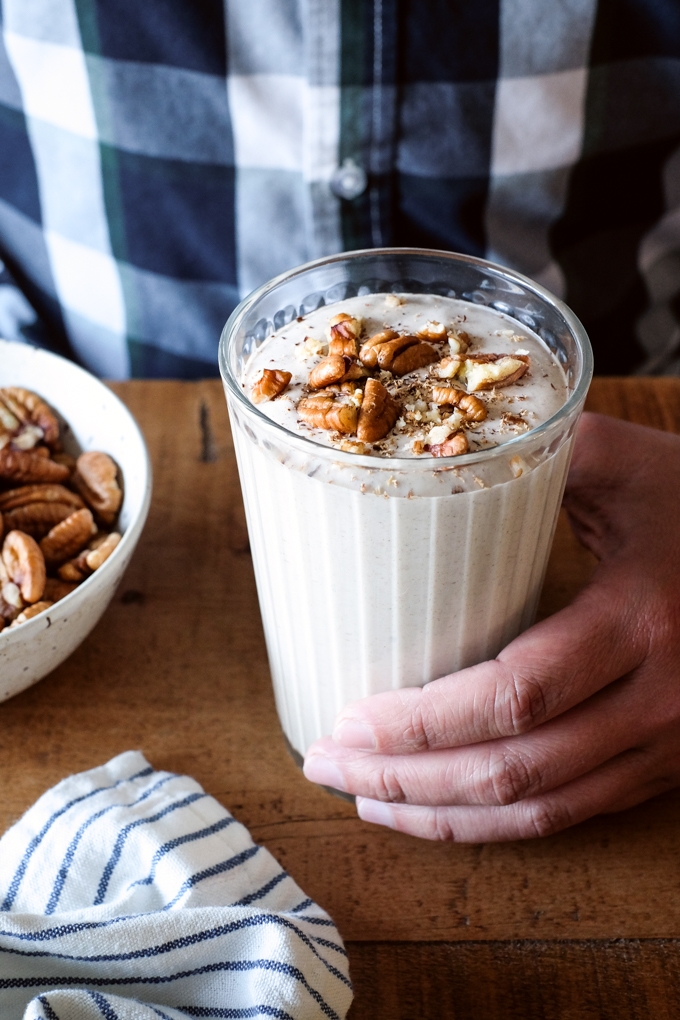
403 421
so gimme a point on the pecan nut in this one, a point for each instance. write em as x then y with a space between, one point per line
324 412
378 414
31 409
486 371
30 466
345 331
56 589
454 446
368 355
95 557
68 537
448 368
25 565
433 331
419 356
330 370
469 405
36 519
14 498
388 352
96 479
459 341
271 383
30 612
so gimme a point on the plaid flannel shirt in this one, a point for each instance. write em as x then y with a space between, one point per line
160 158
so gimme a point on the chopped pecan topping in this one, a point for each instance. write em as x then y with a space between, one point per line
325 412
379 412
459 341
448 368
354 372
25 565
388 352
471 406
351 446
412 358
368 354
433 331
330 370
345 331
486 371
272 382
454 446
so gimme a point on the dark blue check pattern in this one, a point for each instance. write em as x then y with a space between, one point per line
158 160
131 893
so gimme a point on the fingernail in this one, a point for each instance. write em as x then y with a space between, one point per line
324 772
375 811
355 734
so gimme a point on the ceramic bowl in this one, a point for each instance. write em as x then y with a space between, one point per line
93 418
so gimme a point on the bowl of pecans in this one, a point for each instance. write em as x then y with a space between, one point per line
75 487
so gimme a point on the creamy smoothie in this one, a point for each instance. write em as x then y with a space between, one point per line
421 547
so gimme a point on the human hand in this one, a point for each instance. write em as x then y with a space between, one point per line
578 715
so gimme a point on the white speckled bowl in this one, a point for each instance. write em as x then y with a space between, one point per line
97 420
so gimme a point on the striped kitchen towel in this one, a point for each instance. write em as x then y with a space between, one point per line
130 894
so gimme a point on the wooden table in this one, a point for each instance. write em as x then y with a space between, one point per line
583 925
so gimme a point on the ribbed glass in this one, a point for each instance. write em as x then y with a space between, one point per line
378 573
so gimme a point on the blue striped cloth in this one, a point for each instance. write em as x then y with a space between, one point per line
130 894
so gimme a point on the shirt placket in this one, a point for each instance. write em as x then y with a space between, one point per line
321 124
363 182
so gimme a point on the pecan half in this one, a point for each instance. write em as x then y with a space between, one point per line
96 480
68 537
30 466
379 412
39 494
25 565
66 459
454 446
272 382
31 409
330 370
72 571
36 519
414 357
324 412
95 557
368 354
30 612
471 406
345 331
388 352
56 589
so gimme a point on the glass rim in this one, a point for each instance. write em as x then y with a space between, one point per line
576 397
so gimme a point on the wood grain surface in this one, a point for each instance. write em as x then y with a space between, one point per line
177 668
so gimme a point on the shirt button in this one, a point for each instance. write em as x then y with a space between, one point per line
349 180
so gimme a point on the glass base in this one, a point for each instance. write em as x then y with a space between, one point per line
299 761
